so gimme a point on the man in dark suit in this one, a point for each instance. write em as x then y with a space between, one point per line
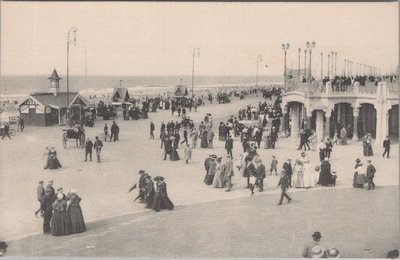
260 175
167 147
88 149
149 192
284 184
152 128
98 144
249 171
287 166
229 146
386 145
370 175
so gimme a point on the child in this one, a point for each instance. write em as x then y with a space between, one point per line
274 166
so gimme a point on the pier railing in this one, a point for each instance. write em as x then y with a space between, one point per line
317 89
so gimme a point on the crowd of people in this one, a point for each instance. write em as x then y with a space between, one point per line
62 214
153 195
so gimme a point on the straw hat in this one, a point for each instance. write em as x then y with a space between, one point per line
317 252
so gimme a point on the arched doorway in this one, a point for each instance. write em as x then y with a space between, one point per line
295 117
394 122
367 120
342 116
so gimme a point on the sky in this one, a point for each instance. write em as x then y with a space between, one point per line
137 38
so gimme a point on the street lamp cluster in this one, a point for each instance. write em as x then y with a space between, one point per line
285 47
361 69
74 30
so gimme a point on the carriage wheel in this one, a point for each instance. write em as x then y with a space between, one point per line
64 140
83 139
13 132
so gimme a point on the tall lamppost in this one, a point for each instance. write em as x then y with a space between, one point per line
194 54
305 63
285 48
74 30
335 62
332 56
329 64
322 66
344 71
310 46
259 59
298 71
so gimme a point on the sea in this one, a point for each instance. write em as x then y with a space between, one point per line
23 85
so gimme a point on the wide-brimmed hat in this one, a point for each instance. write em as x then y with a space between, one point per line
358 160
332 253
317 252
141 172
303 153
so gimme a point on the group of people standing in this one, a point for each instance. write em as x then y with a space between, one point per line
62 214
152 192
363 175
219 174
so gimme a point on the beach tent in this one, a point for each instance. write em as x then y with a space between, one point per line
120 95
181 91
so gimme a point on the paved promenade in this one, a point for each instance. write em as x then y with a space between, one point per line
359 223
103 187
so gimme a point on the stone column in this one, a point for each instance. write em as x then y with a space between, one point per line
294 112
282 129
381 113
355 123
327 124
319 124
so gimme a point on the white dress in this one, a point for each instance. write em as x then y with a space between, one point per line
308 175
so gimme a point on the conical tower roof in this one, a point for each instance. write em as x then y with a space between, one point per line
54 76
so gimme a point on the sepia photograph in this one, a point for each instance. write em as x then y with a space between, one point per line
199 129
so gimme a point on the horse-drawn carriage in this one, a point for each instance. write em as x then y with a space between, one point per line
223 98
76 134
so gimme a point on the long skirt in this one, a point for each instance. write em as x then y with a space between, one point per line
76 220
370 152
360 180
218 180
365 149
175 155
162 202
59 223
299 181
54 163
209 179
308 177
204 142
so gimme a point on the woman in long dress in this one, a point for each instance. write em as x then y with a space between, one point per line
298 181
211 171
204 140
359 176
54 163
46 157
265 138
59 222
369 145
312 139
77 223
308 175
174 153
218 178
161 199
